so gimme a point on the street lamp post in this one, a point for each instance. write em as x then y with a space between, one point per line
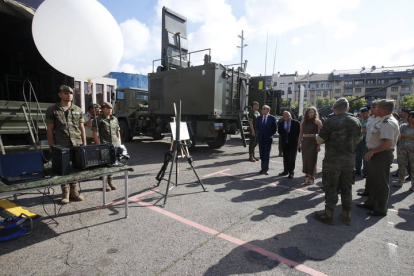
241 47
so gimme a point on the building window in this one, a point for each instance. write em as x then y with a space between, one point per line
406 80
394 97
381 82
391 81
370 82
327 85
306 94
141 96
99 93
337 91
317 85
337 83
109 93
283 93
325 93
348 90
394 89
406 88
359 82
322 85
77 95
290 83
282 85
348 83
88 89
318 93
358 90
275 83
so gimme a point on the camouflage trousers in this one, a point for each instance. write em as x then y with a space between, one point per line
252 144
336 179
405 157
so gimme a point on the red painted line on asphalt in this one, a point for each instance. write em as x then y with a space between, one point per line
211 174
401 212
121 201
271 183
234 240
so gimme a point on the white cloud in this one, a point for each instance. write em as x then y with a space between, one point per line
296 41
285 15
299 63
391 54
345 29
309 36
130 68
136 38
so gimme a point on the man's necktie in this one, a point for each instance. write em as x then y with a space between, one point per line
287 127
264 119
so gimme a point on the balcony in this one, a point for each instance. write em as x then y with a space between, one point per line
406 92
348 94
406 83
348 85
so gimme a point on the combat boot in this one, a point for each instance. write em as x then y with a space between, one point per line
110 183
322 217
345 217
65 194
74 194
251 158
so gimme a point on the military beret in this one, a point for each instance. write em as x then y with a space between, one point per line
385 103
364 109
108 105
255 103
406 110
65 88
94 105
339 102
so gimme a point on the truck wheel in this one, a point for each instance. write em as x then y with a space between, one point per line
218 142
157 136
125 136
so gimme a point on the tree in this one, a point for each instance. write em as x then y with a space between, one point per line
356 105
408 101
324 102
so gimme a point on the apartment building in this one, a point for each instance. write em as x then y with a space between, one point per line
316 86
360 82
285 83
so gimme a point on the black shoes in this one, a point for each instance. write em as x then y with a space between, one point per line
395 174
376 214
290 175
283 173
263 172
266 173
362 205
363 194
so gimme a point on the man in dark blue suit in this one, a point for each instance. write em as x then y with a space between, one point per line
266 127
288 130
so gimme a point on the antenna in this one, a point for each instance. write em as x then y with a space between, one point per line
274 60
267 36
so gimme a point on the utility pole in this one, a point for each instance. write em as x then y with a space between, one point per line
241 47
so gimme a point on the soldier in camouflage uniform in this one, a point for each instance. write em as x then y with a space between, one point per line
106 131
405 151
253 114
65 128
340 134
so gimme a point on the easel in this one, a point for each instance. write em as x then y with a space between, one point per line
172 156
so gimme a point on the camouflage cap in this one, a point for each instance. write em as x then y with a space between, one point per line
65 88
94 105
339 102
108 105
386 103
253 103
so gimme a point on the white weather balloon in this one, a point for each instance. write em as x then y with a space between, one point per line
79 38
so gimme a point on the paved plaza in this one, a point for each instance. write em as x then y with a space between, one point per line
246 224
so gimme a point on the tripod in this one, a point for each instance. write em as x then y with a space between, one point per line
172 156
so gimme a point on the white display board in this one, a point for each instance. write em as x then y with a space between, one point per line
184 135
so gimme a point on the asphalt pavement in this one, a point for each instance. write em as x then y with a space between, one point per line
245 224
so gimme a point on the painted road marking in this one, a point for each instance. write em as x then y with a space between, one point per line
122 201
234 240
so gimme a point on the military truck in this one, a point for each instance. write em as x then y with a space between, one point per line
20 63
213 96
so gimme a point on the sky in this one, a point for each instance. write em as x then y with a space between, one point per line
300 35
